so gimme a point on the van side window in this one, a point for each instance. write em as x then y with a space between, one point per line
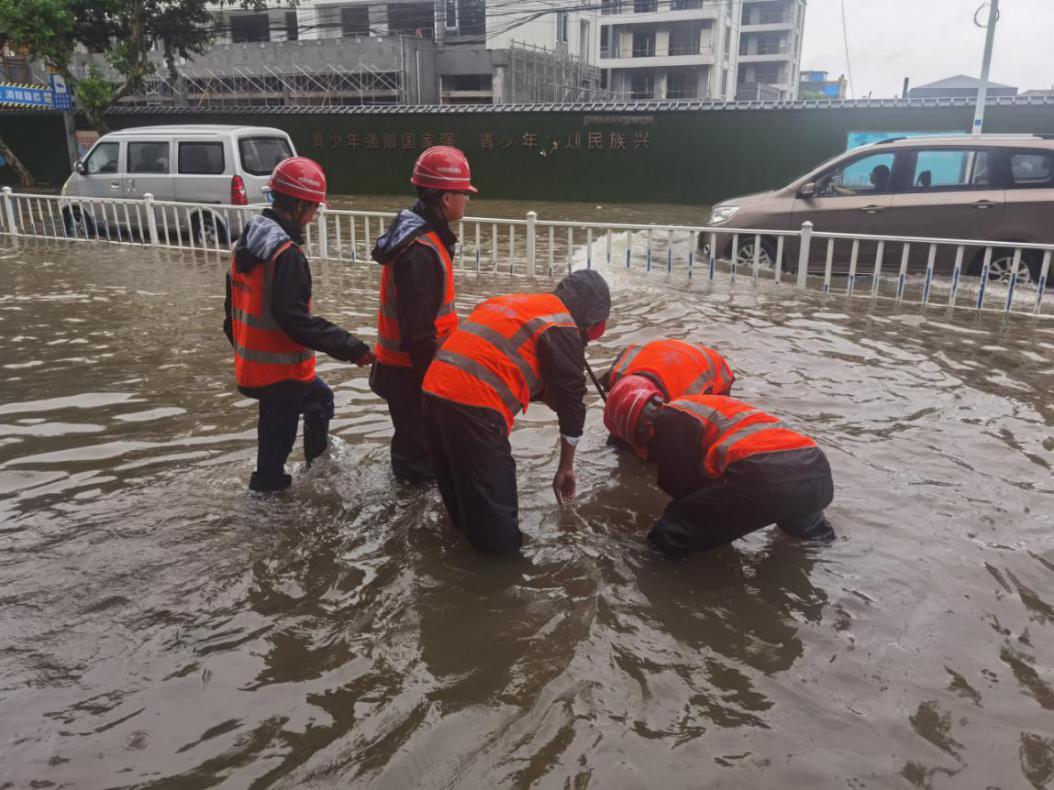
1032 169
148 157
103 159
951 168
261 154
201 158
869 175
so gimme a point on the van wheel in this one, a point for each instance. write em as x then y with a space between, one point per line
1003 264
209 231
745 253
78 224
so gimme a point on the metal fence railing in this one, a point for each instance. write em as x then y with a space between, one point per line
1009 276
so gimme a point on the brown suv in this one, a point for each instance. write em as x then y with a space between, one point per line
988 187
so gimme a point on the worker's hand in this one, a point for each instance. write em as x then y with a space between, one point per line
367 358
564 484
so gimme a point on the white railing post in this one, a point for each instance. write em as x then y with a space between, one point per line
532 217
803 253
9 211
151 220
323 237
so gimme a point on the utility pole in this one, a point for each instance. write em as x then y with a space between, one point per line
982 90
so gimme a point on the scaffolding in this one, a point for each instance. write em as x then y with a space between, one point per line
333 86
540 75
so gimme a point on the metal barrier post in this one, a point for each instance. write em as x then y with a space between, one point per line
323 236
9 211
151 220
532 217
803 253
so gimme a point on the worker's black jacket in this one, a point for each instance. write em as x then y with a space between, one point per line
290 295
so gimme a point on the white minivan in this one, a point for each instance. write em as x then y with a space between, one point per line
203 164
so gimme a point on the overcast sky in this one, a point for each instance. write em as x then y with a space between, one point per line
928 40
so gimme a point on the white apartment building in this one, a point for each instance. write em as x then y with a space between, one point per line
655 50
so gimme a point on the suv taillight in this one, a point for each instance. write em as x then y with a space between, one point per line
238 194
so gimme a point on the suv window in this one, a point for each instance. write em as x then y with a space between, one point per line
148 157
1032 169
201 158
869 175
261 154
944 168
103 159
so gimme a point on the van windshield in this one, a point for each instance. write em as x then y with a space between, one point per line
261 154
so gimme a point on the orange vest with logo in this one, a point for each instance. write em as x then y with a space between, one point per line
678 368
263 353
389 336
491 361
733 430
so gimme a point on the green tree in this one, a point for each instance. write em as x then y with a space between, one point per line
123 31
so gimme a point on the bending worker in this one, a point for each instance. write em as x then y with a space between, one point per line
274 333
730 467
511 350
677 368
416 312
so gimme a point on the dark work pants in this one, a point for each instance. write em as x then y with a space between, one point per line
401 388
276 426
475 472
743 501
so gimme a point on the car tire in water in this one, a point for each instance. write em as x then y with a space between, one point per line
745 252
208 230
79 224
1002 264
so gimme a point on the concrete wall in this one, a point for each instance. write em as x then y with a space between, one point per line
600 155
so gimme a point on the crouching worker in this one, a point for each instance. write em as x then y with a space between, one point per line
274 333
677 368
730 467
509 351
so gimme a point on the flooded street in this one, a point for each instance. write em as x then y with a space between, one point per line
163 627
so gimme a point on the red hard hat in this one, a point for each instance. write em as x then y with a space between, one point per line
625 402
299 177
443 167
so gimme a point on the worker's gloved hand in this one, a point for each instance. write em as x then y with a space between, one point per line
564 484
366 358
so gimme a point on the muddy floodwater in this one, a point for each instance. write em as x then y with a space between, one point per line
160 626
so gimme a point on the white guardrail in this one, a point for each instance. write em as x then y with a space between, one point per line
953 272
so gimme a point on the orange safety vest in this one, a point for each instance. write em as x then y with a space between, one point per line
263 353
491 361
678 368
733 430
389 336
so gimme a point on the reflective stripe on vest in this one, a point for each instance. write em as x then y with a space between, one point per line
669 362
482 366
721 433
263 353
389 335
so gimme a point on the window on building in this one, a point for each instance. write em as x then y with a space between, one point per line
685 38
250 27
611 6
685 5
728 42
948 169
292 26
645 6
1032 169
605 41
561 27
471 18
682 84
355 21
642 85
644 45
411 19
450 14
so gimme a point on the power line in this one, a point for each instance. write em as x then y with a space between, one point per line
848 62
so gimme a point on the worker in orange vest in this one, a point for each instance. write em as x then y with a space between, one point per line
730 467
272 329
416 312
510 351
678 368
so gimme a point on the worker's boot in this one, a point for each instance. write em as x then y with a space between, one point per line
316 437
